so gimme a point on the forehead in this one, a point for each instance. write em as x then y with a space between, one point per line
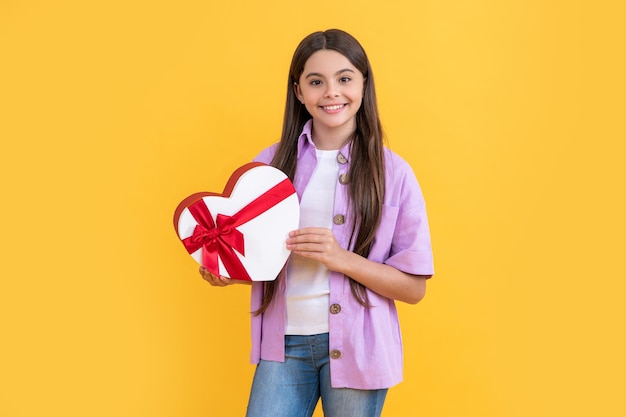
327 62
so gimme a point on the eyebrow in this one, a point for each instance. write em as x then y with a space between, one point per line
317 74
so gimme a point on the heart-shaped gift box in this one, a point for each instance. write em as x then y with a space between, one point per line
241 232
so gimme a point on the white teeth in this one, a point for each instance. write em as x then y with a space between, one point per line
337 107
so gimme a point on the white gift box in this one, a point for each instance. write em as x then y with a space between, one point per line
242 232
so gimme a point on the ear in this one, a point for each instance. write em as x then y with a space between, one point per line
297 91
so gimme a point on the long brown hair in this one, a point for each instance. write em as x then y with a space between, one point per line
367 174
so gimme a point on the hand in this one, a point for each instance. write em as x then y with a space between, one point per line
214 280
320 244
317 243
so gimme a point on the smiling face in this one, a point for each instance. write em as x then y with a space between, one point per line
331 89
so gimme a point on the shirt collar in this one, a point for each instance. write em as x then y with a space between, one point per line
305 140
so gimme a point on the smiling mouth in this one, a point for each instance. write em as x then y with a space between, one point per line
334 107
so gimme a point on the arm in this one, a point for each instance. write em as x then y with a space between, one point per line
320 244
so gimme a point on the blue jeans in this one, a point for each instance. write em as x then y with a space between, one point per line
292 388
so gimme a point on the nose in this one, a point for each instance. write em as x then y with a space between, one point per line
332 90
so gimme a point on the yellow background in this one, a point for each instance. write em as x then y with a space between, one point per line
510 112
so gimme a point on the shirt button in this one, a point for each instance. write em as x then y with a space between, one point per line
335 308
341 159
343 179
335 354
339 219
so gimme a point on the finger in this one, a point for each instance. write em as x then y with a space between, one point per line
216 281
204 273
213 279
310 231
312 247
308 236
326 241
295 245
223 281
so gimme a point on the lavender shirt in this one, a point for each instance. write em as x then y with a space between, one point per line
365 344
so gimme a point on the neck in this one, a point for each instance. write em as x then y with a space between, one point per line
332 138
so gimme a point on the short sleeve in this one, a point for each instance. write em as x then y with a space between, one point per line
266 155
410 248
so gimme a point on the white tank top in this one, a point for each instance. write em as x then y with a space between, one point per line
308 280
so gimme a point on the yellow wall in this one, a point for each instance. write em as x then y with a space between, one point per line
510 112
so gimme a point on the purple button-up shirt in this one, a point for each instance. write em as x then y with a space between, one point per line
366 342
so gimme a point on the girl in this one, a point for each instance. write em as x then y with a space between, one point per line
327 326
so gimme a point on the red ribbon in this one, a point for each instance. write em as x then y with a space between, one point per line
221 238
